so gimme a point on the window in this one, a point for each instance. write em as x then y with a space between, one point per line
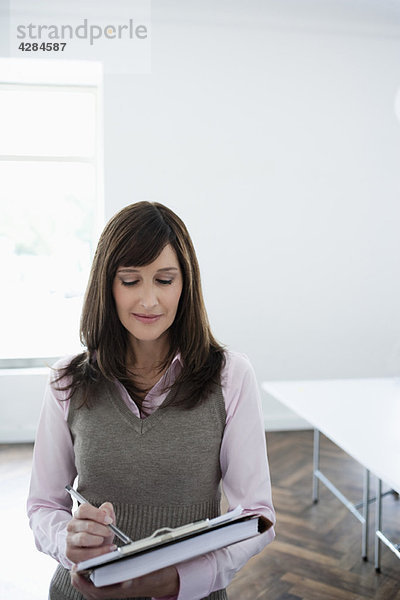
51 203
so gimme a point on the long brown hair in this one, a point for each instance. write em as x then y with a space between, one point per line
136 236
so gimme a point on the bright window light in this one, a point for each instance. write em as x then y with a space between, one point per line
47 122
51 207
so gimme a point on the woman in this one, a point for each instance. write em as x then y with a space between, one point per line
150 417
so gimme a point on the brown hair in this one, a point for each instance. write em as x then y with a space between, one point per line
136 236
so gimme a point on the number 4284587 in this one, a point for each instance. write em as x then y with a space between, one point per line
43 47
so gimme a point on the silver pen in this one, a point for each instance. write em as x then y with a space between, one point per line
120 534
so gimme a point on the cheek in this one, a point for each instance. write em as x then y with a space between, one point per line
114 291
176 299
119 298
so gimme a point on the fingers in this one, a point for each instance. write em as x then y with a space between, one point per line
104 514
77 554
164 582
88 534
89 528
90 592
84 586
108 508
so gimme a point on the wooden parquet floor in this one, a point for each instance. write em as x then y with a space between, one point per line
316 554
317 551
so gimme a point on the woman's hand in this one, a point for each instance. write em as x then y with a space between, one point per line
88 535
164 582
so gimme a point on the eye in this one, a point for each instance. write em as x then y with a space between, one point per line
129 283
164 281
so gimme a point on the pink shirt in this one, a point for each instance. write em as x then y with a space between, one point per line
243 459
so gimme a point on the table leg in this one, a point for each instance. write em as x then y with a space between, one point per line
315 465
364 545
378 524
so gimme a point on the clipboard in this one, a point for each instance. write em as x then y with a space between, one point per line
168 546
167 534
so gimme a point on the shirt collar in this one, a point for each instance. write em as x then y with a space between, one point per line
177 358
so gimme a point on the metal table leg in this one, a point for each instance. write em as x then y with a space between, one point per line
379 535
378 524
319 476
364 543
315 466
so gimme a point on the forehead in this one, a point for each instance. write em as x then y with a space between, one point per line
167 254
167 259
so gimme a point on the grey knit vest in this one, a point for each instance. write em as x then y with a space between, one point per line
160 471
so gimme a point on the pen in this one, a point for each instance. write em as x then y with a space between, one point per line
120 534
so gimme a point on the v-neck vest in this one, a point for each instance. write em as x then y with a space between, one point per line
161 471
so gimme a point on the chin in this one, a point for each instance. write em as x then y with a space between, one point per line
150 337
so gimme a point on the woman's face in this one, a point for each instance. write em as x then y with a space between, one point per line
146 298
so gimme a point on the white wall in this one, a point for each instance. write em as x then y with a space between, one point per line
20 402
269 127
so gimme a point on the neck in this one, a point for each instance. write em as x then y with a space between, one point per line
148 356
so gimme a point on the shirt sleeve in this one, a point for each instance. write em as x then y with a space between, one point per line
49 506
245 479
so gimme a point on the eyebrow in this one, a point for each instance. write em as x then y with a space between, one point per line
132 270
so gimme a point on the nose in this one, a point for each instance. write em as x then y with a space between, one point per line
148 297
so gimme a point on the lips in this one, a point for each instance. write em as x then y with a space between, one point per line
146 318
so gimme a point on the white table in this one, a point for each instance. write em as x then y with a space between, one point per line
361 416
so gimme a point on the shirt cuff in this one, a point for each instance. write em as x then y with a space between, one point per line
196 578
62 545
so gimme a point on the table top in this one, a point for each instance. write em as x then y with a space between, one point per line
362 416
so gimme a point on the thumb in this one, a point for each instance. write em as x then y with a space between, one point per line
109 509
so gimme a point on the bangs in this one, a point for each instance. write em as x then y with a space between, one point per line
142 244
